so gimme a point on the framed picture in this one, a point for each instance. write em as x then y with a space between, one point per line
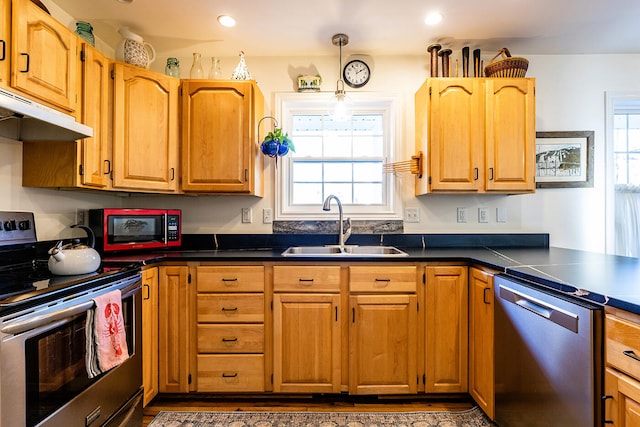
564 159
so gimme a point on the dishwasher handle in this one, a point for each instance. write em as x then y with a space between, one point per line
541 308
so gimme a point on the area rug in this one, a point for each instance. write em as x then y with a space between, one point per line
470 418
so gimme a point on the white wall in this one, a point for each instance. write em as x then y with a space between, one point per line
570 96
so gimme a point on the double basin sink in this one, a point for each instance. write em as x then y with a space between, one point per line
335 251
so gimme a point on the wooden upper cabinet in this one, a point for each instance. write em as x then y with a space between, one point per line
510 135
95 153
145 130
220 152
44 57
478 135
5 41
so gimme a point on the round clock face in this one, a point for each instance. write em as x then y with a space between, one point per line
356 73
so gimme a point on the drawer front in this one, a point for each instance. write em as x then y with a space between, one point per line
230 278
306 278
373 278
622 345
230 373
231 308
230 338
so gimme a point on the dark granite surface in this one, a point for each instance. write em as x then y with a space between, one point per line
595 277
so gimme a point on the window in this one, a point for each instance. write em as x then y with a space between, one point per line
626 140
340 158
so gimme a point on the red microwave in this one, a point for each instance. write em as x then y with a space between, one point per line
118 229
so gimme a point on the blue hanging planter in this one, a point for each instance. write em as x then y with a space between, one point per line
276 143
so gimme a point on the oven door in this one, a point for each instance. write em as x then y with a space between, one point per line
43 375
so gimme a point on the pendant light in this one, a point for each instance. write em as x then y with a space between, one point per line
340 106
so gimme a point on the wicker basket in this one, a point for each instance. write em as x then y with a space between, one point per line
508 66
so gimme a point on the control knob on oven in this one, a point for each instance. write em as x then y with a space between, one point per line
10 225
24 225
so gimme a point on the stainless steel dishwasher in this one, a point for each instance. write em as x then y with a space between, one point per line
548 357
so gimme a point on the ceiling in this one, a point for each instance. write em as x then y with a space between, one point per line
375 27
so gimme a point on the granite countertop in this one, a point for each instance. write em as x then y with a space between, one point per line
594 277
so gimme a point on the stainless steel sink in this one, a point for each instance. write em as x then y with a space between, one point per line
344 251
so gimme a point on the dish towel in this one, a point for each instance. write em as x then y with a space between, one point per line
106 340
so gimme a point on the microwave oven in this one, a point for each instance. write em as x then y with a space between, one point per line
122 229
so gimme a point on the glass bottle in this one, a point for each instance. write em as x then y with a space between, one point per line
215 73
173 67
196 69
85 31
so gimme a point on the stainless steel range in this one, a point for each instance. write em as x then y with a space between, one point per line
43 373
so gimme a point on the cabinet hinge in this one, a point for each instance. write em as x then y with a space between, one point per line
82 57
189 378
417 306
424 379
271 305
180 91
113 74
424 278
80 170
429 180
271 378
189 278
429 91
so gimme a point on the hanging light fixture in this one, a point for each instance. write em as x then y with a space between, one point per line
340 106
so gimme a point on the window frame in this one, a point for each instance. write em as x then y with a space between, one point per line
288 102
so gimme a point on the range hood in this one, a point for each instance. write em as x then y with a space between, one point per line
26 120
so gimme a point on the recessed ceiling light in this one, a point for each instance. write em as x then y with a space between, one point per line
226 21
433 18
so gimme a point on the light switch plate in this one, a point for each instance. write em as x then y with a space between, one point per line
246 215
462 214
501 214
483 215
267 216
411 214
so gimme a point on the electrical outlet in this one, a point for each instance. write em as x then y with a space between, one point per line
80 216
411 214
462 214
267 216
501 214
483 214
246 215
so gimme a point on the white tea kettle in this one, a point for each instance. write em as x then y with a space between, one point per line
74 258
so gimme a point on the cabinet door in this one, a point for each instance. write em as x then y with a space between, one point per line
510 135
456 135
145 129
481 379
5 41
446 348
622 399
174 329
94 160
150 333
44 56
306 343
219 141
383 344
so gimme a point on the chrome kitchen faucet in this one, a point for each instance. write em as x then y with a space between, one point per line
342 235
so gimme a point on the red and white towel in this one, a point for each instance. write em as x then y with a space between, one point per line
106 341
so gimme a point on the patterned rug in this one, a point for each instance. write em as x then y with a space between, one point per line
471 418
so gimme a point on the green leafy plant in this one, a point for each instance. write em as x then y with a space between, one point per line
282 137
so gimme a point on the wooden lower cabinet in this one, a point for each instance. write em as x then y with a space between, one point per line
622 399
446 345
230 307
174 329
481 354
149 333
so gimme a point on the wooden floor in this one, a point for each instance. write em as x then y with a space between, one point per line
303 404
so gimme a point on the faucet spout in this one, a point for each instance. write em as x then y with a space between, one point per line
342 235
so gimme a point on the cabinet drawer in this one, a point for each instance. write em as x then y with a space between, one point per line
230 278
230 373
622 345
230 308
230 338
306 278
372 278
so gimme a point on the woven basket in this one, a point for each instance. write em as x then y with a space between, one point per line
508 66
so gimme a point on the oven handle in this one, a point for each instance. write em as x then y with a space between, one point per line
68 312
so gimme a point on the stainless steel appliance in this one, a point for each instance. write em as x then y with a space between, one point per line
548 357
43 376
118 229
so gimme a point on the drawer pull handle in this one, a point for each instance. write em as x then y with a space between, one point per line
225 375
235 279
631 354
306 281
234 339
26 55
229 309
384 282
484 296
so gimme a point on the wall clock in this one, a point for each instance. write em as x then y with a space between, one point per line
356 73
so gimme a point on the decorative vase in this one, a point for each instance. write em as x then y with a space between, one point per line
173 67
85 31
241 71
196 68
134 50
215 73
270 148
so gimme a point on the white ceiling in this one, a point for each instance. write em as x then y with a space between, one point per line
375 27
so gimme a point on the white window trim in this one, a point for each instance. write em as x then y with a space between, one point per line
284 101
